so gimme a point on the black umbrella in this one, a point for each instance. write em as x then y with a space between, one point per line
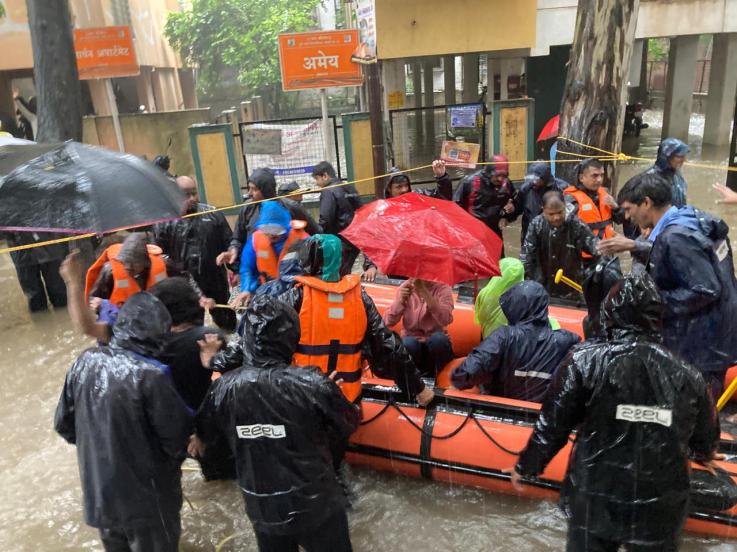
80 189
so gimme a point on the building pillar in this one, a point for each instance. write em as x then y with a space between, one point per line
471 78
505 67
145 90
722 90
189 88
416 83
429 94
7 105
394 80
634 78
679 86
98 92
449 79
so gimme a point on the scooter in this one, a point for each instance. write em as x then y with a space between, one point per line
633 119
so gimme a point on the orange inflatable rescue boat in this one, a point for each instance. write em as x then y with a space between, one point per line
468 438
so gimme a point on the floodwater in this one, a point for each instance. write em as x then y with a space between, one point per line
41 498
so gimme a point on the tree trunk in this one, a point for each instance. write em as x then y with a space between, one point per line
58 89
594 97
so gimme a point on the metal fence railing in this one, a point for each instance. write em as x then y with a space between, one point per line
291 147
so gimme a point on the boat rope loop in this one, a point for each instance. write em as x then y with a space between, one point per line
469 416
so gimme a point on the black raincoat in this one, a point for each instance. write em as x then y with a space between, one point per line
129 424
192 245
479 196
280 422
692 265
337 207
443 185
248 217
637 410
519 360
529 199
666 150
547 249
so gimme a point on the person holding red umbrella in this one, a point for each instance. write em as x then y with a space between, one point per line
426 310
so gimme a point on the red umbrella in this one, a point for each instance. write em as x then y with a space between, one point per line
550 130
420 237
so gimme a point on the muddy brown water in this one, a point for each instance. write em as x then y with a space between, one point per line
40 500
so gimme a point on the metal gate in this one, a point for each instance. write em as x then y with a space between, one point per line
290 147
417 134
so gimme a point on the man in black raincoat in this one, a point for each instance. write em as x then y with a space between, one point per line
38 269
281 421
517 361
489 195
193 243
692 264
529 200
670 158
338 205
261 185
131 430
638 410
556 240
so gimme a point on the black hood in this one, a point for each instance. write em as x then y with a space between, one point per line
142 326
599 280
270 334
265 181
396 174
134 250
633 308
527 302
540 170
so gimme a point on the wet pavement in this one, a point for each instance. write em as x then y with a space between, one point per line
41 497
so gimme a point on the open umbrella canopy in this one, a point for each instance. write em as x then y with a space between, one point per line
78 189
421 237
550 130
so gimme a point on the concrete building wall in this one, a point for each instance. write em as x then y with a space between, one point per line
150 134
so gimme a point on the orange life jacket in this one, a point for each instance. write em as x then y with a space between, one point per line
333 324
124 285
597 217
267 262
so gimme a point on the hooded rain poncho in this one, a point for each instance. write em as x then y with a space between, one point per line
280 422
517 361
128 423
637 410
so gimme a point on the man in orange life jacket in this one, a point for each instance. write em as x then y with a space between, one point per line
590 200
125 269
338 320
274 232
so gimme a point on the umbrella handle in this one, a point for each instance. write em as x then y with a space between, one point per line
560 277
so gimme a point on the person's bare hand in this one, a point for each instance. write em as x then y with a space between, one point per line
241 300
726 195
95 303
438 167
207 303
515 478
71 269
195 448
405 290
614 245
369 275
710 465
210 344
609 200
333 376
226 257
16 93
503 223
425 396
509 207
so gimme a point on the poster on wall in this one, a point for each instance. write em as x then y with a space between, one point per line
300 148
460 154
366 24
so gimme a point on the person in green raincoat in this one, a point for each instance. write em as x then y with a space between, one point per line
488 314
